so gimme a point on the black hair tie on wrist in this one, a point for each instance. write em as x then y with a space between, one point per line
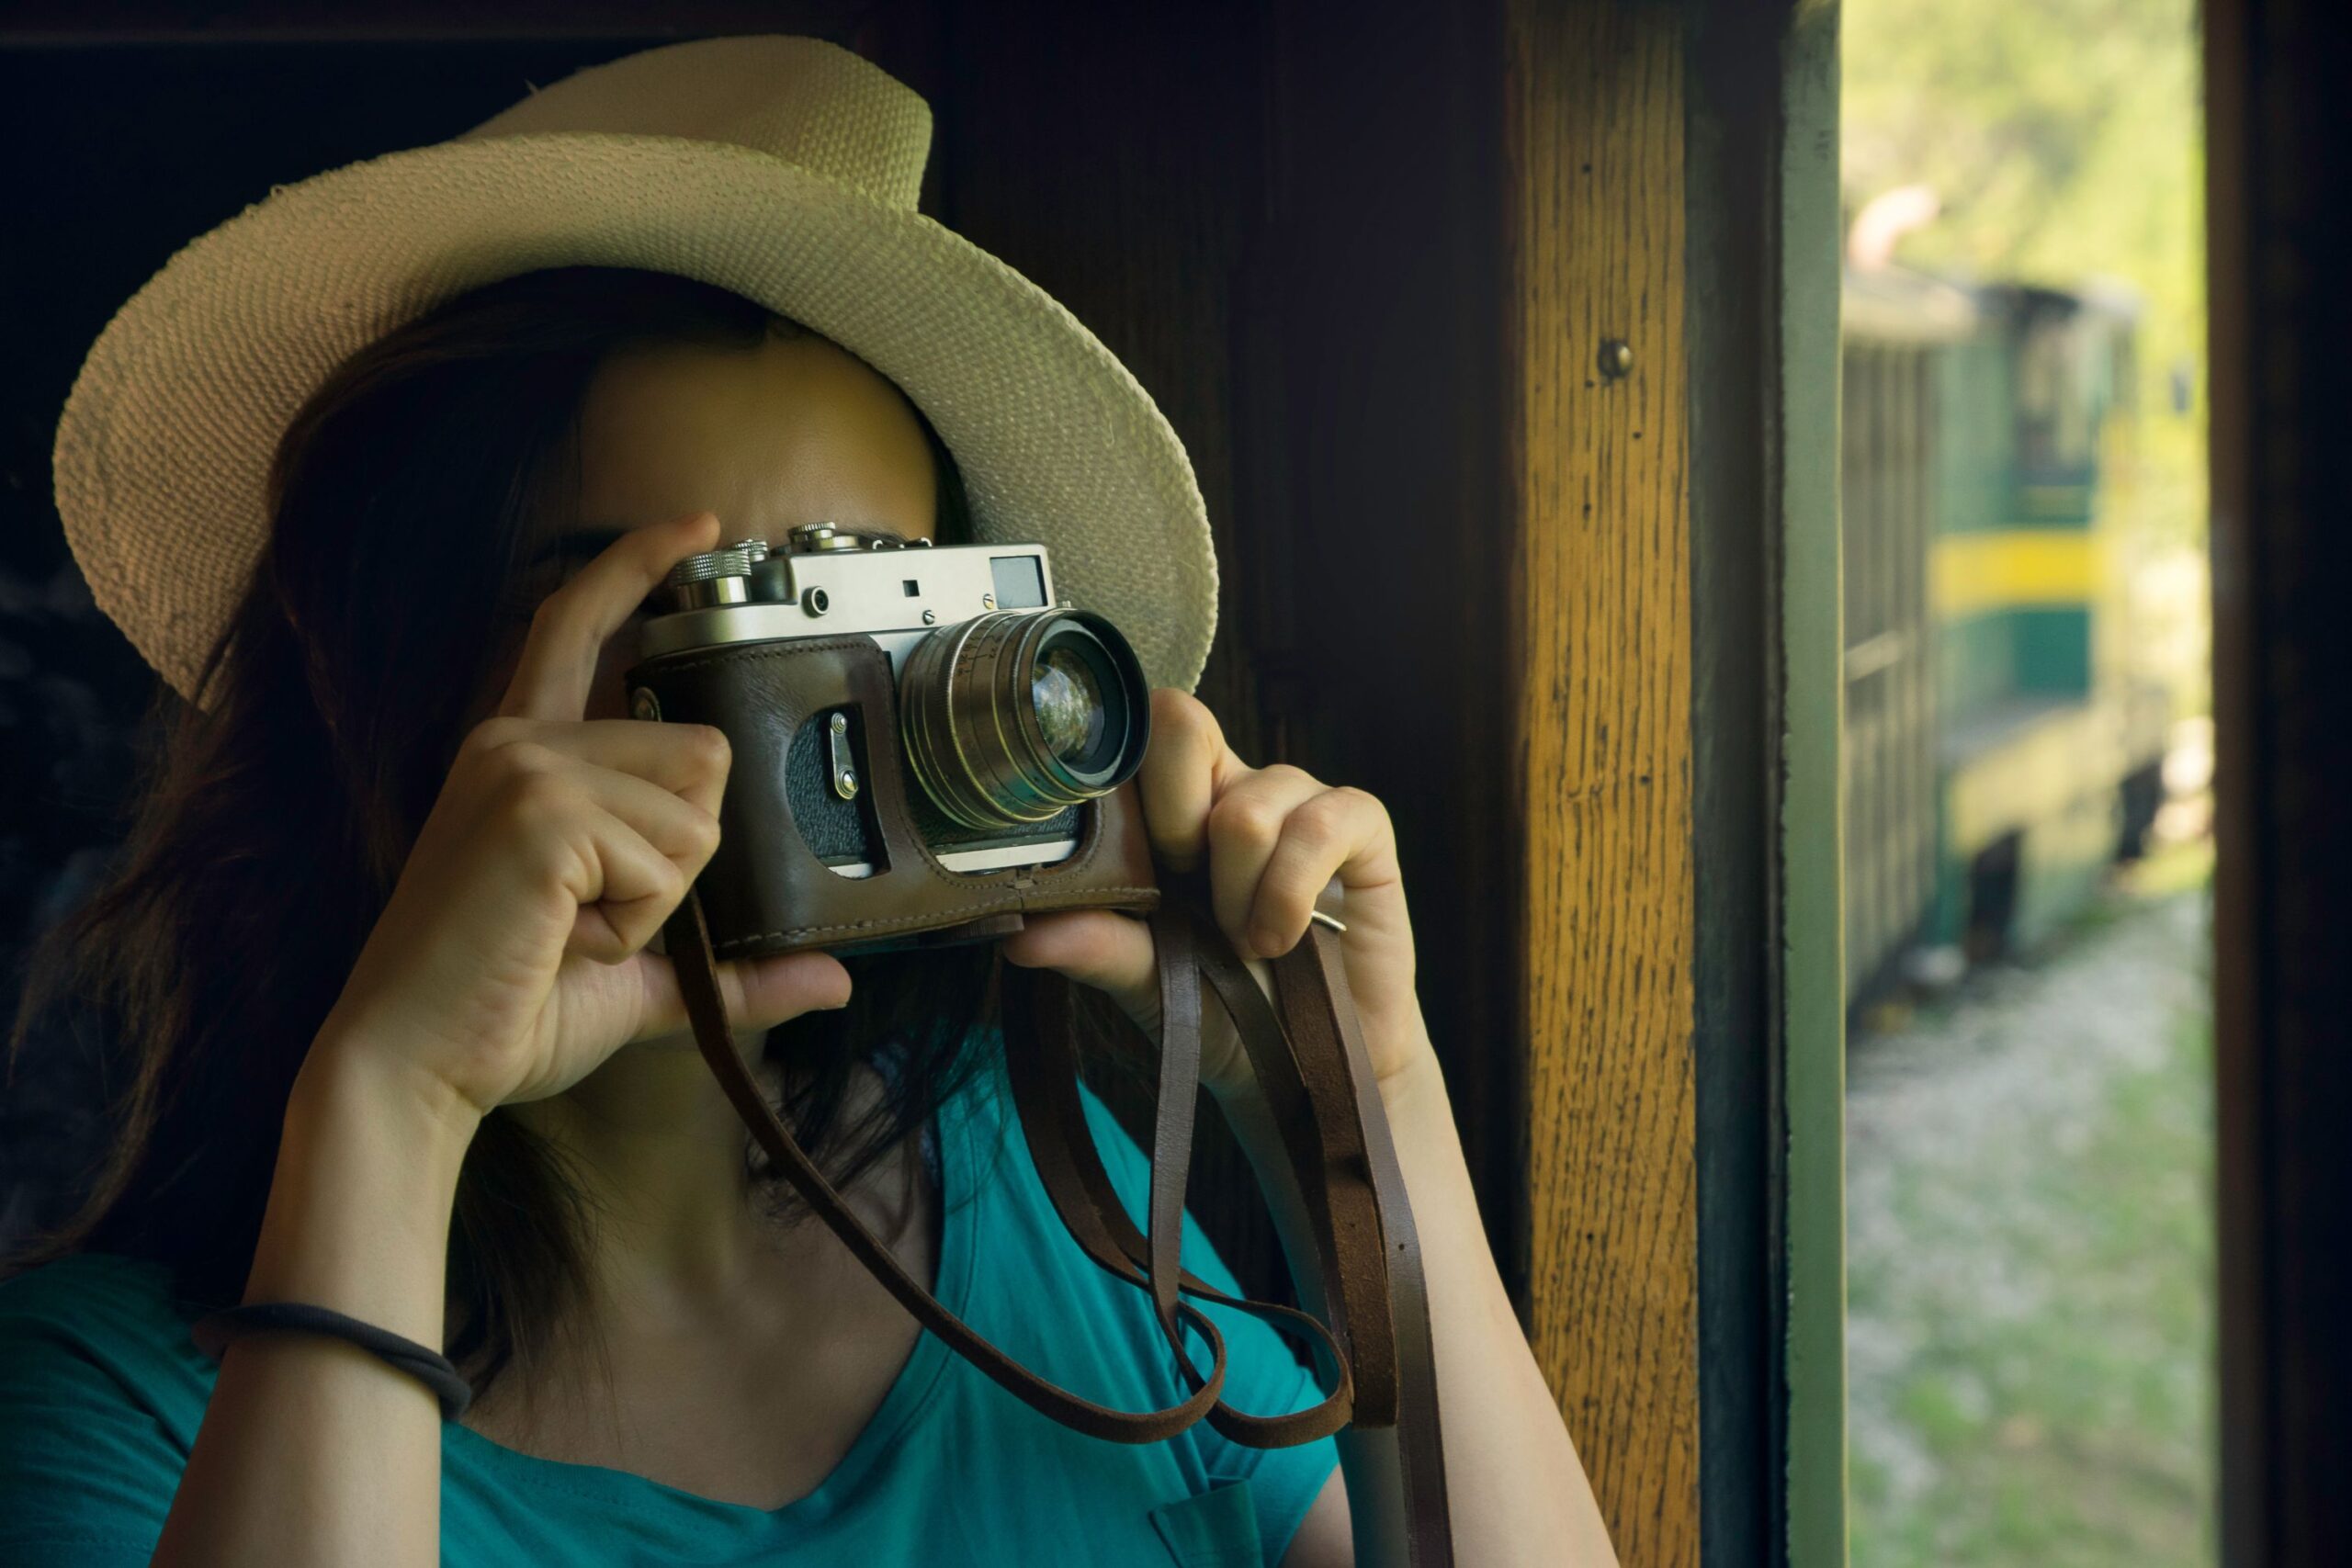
215 1332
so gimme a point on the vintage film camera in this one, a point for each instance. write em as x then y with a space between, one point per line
926 740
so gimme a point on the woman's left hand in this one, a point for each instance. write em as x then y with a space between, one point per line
1273 839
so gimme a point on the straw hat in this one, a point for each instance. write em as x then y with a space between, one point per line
785 169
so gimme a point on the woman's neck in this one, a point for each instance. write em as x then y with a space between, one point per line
691 1280
676 1228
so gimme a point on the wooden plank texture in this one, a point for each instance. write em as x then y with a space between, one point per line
1595 195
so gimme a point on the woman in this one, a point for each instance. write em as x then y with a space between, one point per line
402 1054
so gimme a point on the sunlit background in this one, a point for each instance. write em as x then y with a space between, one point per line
2027 764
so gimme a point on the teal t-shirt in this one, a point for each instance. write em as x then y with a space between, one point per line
101 1393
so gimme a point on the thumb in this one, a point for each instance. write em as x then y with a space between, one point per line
760 992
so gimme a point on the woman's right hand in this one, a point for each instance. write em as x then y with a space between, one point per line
508 964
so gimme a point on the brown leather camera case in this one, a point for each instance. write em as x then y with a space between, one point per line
765 891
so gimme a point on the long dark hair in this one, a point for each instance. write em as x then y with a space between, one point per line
273 819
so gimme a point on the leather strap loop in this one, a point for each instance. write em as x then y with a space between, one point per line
1317 1108
1044 1082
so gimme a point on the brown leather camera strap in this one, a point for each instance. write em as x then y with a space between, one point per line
1043 1068
1312 985
1319 1086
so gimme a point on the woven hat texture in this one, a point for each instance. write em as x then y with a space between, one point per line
785 169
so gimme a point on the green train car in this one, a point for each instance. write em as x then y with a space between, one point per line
2004 740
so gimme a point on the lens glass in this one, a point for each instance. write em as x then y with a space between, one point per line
1014 715
1067 692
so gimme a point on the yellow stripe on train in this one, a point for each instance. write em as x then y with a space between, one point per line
1975 572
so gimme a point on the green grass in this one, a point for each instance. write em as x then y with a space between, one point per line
2054 1303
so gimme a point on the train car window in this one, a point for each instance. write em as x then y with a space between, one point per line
2026 757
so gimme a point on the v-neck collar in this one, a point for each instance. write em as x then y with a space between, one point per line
910 1393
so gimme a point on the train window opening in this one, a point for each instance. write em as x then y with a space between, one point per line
2026 771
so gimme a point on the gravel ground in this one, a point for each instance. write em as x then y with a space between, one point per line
2029 1254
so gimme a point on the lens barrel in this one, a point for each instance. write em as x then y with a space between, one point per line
969 698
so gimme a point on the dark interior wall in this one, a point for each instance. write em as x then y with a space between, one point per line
1283 219
2279 170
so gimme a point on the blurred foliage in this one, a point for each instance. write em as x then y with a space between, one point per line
2063 139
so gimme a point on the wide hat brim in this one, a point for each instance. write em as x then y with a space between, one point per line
165 442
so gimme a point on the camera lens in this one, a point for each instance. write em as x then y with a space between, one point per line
1070 704
1015 716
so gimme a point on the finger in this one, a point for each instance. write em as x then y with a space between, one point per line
630 891
689 761
760 993
1243 828
558 666
1340 832
1102 948
675 826
1185 768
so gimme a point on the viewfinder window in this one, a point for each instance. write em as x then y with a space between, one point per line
1020 583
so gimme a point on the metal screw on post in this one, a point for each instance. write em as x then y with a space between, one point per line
1616 359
